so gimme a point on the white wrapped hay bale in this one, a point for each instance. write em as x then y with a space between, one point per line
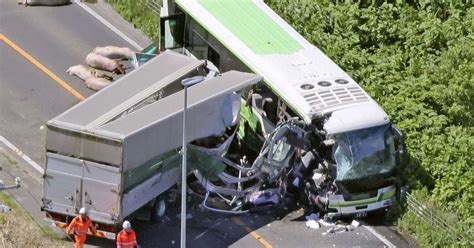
103 63
96 83
113 52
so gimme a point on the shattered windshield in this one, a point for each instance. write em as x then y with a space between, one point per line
363 153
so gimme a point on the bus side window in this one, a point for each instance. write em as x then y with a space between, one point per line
172 32
213 56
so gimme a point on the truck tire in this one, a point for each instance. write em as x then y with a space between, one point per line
158 210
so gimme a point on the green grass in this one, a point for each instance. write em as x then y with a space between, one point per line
19 218
9 159
8 201
140 15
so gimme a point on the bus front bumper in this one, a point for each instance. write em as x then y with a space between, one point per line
360 207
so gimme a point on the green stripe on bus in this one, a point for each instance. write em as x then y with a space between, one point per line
299 111
252 26
353 203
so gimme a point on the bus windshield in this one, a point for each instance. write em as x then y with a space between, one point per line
363 153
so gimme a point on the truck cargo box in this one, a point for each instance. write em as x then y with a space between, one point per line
112 157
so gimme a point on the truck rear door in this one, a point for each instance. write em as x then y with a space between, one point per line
71 183
100 191
62 184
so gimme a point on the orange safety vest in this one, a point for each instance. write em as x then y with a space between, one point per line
80 226
126 239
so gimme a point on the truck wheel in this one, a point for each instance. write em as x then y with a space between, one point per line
158 210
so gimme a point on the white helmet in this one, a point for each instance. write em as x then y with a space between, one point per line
82 211
126 225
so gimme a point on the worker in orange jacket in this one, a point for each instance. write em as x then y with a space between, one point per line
126 238
79 225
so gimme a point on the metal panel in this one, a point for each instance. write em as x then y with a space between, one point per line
164 65
73 132
156 128
81 145
101 192
148 190
62 183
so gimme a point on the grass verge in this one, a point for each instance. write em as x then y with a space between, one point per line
18 229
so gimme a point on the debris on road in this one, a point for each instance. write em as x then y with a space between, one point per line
312 224
312 221
313 216
80 71
103 63
355 223
336 229
265 196
97 83
113 52
326 223
43 2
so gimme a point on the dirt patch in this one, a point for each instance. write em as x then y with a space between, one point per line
18 229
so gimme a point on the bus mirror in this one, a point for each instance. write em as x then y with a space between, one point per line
400 146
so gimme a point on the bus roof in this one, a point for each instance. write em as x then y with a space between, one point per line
309 81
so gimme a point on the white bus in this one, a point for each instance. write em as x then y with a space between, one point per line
343 155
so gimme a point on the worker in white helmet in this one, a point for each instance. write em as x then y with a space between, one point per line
126 238
79 225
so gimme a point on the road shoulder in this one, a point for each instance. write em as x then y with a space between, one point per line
106 12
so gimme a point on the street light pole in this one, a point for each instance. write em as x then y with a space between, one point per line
186 83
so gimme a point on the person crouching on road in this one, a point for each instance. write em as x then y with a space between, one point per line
126 238
79 225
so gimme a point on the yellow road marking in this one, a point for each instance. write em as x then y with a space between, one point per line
252 233
42 67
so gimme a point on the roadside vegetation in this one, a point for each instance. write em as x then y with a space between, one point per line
140 14
18 229
416 59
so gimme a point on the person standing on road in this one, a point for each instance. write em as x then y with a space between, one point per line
126 238
79 225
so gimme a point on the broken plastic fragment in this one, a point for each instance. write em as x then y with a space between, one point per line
326 223
336 229
355 223
265 196
312 224
296 182
313 216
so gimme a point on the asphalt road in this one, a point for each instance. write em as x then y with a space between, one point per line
58 37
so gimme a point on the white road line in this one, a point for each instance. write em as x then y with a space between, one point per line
22 155
207 230
110 26
379 236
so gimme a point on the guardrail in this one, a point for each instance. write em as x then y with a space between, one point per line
154 5
430 216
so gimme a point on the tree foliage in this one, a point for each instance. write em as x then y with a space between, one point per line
416 59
